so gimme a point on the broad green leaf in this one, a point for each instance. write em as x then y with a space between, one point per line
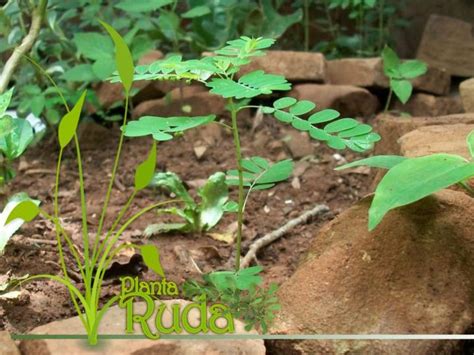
93 45
402 88
18 135
145 171
68 125
284 102
163 228
102 68
214 195
7 230
26 210
123 58
470 143
169 22
249 85
275 25
197 11
390 60
411 69
5 99
151 258
248 278
80 73
142 5
161 128
171 182
379 161
414 179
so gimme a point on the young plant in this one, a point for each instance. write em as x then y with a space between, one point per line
410 179
16 135
98 254
198 217
400 73
219 73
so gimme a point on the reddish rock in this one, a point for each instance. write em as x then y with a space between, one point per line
294 66
150 57
411 275
349 100
298 143
114 323
424 105
368 72
448 43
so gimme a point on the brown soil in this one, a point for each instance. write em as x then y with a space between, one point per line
45 301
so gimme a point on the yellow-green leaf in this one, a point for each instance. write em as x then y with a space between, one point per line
68 125
151 258
26 210
146 170
123 58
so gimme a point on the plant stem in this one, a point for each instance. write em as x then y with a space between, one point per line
389 99
306 25
238 158
112 179
24 47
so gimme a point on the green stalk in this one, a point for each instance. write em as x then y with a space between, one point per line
238 158
389 100
112 179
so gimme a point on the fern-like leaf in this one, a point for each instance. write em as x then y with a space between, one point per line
250 85
260 174
325 125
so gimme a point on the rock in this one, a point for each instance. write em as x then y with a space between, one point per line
409 276
436 139
294 66
448 43
7 345
368 72
348 100
425 105
109 93
199 151
391 128
466 89
194 102
114 323
150 57
298 143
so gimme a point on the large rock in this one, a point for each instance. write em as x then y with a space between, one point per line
114 323
436 139
391 128
466 89
448 43
368 72
185 101
425 105
347 99
412 275
294 66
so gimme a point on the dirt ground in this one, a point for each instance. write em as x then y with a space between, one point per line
45 301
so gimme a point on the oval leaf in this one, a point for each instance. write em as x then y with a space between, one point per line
68 125
379 161
414 179
284 102
25 210
151 258
146 170
123 58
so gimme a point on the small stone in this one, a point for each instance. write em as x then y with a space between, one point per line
425 105
295 183
199 151
299 144
466 89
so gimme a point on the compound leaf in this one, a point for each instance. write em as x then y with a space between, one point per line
145 171
414 179
68 125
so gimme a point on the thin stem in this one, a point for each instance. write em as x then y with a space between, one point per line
306 25
112 179
389 99
238 158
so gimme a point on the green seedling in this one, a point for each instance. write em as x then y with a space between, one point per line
400 73
198 216
16 135
410 179
220 74
99 253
